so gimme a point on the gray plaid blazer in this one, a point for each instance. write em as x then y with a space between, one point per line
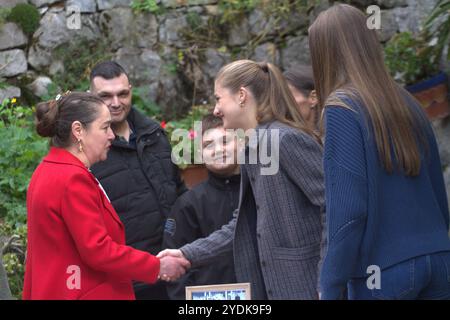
288 207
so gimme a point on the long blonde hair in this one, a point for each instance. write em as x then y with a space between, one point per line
347 57
269 88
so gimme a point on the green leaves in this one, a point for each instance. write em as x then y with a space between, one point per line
21 151
437 28
408 58
414 58
147 6
185 140
145 104
26 16
232 10
14 255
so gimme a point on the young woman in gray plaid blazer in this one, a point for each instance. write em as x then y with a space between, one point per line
276 231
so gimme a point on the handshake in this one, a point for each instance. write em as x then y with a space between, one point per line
173 264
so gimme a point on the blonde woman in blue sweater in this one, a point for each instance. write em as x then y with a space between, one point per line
387 211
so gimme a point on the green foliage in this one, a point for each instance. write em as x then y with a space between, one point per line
14 256
145 105
3 84
4 13
437 28
214 31
173 62
171 67
412 59
26 16
408 58
232 10
204 33
194 20
183 135
52 92
78 58
21 151
151 6
282 9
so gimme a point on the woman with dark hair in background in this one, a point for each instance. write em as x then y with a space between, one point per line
386 205
76 242
301 83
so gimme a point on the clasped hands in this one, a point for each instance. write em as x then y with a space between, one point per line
173 264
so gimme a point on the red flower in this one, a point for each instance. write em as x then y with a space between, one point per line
163 124
192 134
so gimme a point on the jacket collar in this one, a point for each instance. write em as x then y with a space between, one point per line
223 182
60 155
141 123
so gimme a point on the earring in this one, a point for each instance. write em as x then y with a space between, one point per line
80 147
241 104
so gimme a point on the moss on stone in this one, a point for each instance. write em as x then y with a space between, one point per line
26 16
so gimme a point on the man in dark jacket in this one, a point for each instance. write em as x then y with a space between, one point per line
138 176
206 208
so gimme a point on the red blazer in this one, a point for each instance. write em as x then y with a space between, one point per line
76 242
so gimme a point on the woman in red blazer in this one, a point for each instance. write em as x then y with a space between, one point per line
76 242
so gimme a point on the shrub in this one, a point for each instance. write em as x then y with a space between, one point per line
26 16
4 13
21 151
437 29
408 58
14 256
151 6
183 136
144 104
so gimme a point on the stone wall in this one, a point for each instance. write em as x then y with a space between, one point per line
166 54
149 45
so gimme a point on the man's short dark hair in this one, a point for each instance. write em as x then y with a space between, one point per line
210 121
107 70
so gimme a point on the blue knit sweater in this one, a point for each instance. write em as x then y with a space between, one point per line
376 218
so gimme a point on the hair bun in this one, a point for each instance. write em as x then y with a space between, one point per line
46 117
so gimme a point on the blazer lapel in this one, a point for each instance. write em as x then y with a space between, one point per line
108 206
107 203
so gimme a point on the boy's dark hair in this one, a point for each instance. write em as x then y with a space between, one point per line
301 78
107 70
210 121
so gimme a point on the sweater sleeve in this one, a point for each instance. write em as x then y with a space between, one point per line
205 250
346 199
81 213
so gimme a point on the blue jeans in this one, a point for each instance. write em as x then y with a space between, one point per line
424 277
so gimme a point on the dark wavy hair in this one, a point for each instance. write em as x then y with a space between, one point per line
54 118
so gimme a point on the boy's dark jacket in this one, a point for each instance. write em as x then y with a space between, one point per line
196 214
